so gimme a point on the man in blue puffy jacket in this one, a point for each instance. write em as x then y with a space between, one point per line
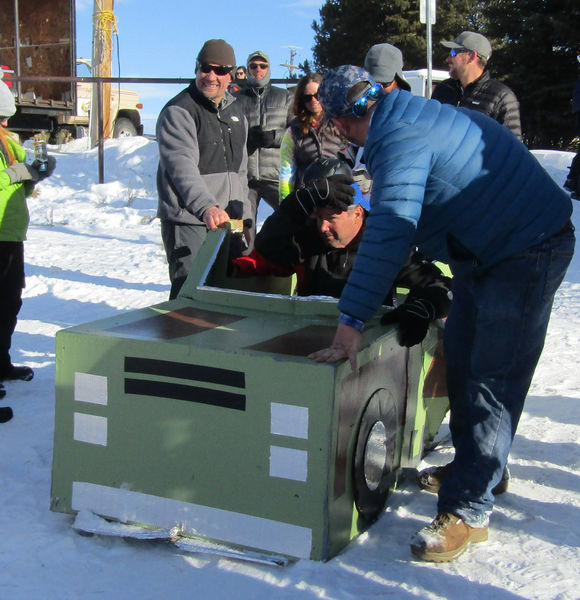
464 190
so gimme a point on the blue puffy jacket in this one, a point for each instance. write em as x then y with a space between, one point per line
453 182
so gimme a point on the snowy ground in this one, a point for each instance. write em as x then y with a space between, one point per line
95 250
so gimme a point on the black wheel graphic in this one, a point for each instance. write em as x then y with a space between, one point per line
374 468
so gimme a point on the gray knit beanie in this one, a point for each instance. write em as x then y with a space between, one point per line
218 52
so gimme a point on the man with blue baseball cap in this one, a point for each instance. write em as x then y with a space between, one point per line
464 190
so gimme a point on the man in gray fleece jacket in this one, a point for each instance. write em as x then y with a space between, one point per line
202 178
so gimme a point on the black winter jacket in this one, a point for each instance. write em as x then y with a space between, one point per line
270 108
486 95
289 238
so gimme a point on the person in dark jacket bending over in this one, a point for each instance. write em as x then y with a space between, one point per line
467 192
316 233
202 176
471 85
269 111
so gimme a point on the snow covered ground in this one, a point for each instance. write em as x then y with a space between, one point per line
95 250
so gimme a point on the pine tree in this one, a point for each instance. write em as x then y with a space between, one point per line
535 43
348 28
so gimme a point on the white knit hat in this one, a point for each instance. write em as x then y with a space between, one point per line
7 106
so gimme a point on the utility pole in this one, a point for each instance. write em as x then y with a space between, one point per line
427 15
103 26
291 66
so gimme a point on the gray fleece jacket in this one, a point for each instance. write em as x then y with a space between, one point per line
202 157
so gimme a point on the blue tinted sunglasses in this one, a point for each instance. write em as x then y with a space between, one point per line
455 51
360 107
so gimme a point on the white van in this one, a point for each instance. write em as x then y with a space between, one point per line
418 80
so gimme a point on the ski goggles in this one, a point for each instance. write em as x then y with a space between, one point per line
361 106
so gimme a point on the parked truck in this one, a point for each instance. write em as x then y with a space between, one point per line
37 39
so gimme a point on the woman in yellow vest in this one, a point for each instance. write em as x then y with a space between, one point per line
17 181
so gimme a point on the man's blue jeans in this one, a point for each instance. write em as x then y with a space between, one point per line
494 336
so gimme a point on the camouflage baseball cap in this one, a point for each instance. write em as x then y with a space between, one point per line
335 86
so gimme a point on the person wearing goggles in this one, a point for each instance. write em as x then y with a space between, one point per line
465 191
200 187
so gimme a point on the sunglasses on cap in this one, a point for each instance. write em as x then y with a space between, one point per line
455 51
221 70
360 107
263 66
309 97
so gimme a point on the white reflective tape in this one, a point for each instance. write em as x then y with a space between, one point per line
289 420
194 519
90 388
90 429
288 463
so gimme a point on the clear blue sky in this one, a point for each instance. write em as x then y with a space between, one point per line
162 39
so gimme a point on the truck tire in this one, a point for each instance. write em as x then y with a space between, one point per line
124 128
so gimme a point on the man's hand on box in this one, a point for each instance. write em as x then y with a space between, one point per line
214 216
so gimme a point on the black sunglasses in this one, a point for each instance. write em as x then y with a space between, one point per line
308 97
263 66
221 70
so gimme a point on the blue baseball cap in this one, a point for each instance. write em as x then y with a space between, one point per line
336 85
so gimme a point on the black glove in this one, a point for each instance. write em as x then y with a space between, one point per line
254 133
413 319
413 316
267 138
235 209
50 167
259 138
19 172
334 192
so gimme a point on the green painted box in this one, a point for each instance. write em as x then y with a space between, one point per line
204 414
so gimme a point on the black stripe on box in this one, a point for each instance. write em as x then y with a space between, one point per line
175 391
165 368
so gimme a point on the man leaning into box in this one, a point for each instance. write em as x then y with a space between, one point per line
464 190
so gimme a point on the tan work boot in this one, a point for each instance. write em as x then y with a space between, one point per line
431 479
446 538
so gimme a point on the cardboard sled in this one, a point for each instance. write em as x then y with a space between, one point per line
203 414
